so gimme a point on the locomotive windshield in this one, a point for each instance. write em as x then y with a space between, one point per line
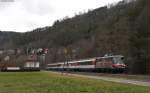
118 60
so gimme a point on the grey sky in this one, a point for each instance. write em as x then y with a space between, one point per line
25 15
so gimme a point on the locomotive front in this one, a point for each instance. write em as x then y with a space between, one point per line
118 63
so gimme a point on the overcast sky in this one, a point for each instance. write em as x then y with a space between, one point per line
25 15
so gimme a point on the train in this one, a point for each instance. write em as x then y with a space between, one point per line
113 63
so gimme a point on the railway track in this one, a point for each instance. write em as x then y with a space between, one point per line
145 78
139 80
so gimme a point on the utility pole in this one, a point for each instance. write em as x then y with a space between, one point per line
66 64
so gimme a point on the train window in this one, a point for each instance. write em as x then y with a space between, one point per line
98 60
122 58
108 59
52 65
74 64
118 60
85 63
59 65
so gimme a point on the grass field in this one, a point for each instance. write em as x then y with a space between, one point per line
46 82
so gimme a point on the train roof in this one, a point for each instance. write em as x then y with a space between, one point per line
74 61
110 56
83 60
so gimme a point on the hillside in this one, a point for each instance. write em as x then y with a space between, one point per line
119 29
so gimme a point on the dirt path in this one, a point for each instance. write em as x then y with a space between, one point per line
118 80
126 81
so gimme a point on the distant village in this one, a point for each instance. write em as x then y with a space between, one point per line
22 59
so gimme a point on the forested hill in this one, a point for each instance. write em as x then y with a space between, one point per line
6 41
123 28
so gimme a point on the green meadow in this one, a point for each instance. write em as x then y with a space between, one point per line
47 82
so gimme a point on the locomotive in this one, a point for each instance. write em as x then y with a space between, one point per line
113 63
